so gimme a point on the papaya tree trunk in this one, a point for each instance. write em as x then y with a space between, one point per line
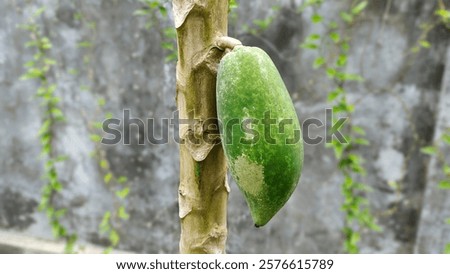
203 191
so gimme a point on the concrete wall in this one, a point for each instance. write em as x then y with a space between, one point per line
402 105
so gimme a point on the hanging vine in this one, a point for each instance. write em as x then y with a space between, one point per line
39 68
153 11
333 49
118 184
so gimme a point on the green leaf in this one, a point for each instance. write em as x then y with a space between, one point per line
60 213
73 71
57 186
349 77
56 230
37 56
319 62
447 249
170 33
345 46
109 115
338 150
362 141
446 138
347 17
57 113
233 4
96 138
444 184
334 94
424 44
354 158
316 18
70 244
104 164
415 49
335 37
39 11
108 250
171 57
149 24
313 37
32 73
104 225
45 43
446 169
50 211
333 25
362 187
262 24
331 72
29 64
84 44
49 61
122 213
51 89
168 45
97 125
309 46
430 150
141 12
101 102
342 60
359 8
107 178
61 158
32 43
359 130
46 139
443 13
114 237
447 221
354 238
122 180
123 193
44 128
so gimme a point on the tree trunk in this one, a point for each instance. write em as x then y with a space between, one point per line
203 192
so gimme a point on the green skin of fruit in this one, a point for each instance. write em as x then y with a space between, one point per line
266 172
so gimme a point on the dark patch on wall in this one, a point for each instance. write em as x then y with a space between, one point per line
407 214
287 25
380 6
406 223
6 249
16 210
66 14
95 238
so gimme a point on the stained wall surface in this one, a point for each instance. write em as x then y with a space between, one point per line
104 51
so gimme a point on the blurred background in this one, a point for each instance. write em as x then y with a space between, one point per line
66 66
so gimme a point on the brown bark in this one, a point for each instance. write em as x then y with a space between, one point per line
203 191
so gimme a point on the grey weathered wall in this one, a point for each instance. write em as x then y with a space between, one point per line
401 106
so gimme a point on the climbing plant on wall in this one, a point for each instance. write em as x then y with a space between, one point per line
40 70
112 219
333 49
155 14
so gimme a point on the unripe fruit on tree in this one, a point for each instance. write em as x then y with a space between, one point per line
261 134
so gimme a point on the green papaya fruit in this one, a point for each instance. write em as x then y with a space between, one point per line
260 130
